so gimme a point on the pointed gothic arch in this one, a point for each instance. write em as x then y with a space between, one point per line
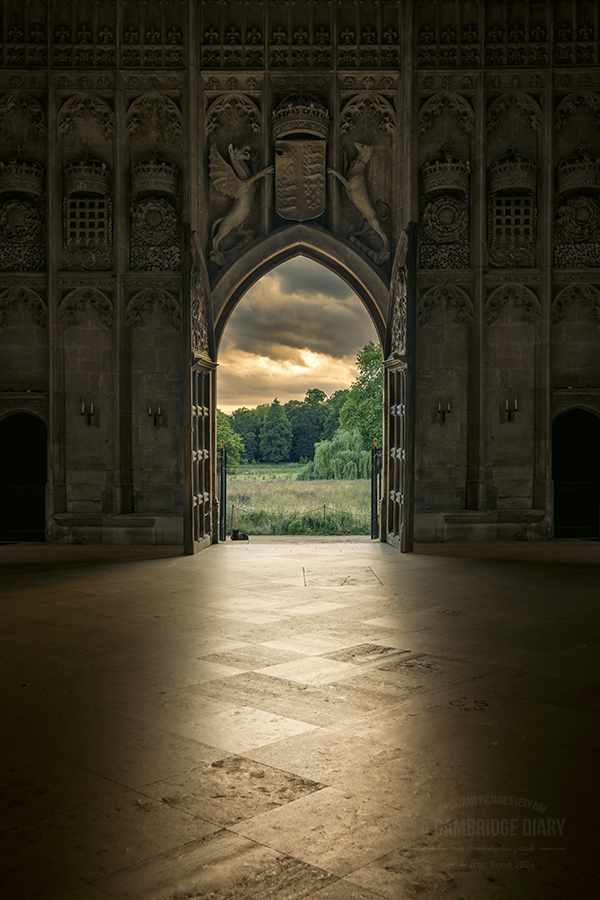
315 243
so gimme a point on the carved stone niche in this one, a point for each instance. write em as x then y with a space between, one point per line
368 122
155 219
233 126
22 216
444 240
512 211
87 216
577 217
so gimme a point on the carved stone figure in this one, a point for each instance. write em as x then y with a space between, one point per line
356 188
235 181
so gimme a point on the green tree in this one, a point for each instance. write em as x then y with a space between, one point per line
247 423
231 441
276 434
307 419
332 420
362 410
342 457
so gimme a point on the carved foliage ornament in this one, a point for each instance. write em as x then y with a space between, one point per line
13 103
227 105
368 101
146 300
199 297
455 103
11 297
86 106
77 301
399 298
156 112
516 295
154 235
21 235
454 298
568 106
585 294
523 102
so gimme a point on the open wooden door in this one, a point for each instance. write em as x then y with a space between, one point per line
199 399
400 396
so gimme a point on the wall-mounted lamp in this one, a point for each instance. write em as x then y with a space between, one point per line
444 409
511 407
87 410
155 412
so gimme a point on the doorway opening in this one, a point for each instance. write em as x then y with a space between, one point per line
576 474
23 476
300 406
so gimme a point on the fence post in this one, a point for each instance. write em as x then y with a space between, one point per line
375 489
222 457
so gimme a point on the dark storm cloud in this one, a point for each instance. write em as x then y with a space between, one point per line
303 276
275 323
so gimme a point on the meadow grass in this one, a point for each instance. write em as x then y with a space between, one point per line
267 500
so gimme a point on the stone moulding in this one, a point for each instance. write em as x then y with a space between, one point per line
224 107
585 294
357 105
568 106
453 297
562 400
77 300
85 106
456 104
10 297
148 298
159 110
523 102
519 296
37 404
14 102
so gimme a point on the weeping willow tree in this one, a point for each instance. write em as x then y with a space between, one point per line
342 457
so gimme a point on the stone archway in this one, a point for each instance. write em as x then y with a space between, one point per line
576 474
207 310
300 240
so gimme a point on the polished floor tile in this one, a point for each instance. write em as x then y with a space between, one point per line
300 719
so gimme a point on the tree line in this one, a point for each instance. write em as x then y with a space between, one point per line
288 432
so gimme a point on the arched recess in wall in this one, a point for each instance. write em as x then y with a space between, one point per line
576 474
23 476
314 243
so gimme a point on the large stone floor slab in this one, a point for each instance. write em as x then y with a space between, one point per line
300 719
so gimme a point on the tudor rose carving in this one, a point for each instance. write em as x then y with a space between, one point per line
235 181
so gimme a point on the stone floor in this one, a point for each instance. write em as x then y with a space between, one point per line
300 719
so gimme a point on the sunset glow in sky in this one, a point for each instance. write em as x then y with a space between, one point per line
299 327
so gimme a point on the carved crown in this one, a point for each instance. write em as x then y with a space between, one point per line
300 115
22 175
445 173
513 173
578 172
155 175
88 176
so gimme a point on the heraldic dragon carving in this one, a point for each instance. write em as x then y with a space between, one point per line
356 188
235 181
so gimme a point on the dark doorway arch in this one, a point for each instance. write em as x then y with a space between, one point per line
576 474
23 476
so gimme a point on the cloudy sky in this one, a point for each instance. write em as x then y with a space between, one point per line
297 328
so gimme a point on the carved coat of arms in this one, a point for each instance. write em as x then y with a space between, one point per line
300 179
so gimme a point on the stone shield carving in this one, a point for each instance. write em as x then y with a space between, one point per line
300 179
